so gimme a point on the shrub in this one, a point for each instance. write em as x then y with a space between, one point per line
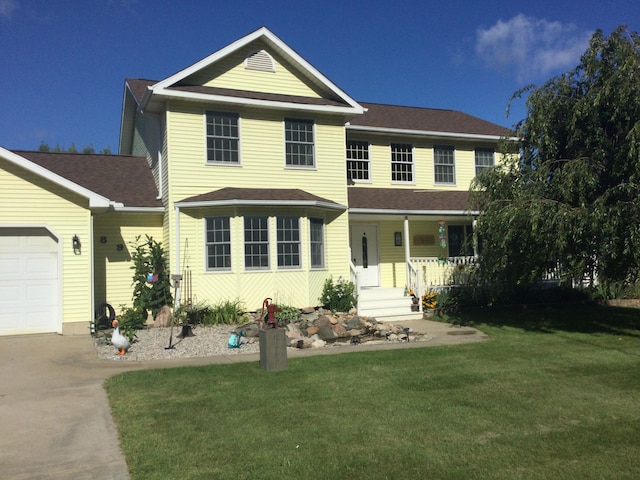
151 286
226 312
339 296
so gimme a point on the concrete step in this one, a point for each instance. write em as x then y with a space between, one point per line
384 303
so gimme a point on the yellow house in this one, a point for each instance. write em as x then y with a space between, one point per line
262 178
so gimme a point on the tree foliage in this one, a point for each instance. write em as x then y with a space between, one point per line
570 195
45 147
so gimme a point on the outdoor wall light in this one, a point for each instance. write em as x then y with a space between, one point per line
75 241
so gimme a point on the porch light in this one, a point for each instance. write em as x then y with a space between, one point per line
75 242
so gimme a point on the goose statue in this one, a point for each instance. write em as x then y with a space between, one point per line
118 340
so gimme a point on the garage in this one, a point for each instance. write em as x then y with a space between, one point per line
30 293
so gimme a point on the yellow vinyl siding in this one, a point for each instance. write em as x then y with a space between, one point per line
27 199
262 163
424 176
112 268
230 72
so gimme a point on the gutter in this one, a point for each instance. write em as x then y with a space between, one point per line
380 211
422 133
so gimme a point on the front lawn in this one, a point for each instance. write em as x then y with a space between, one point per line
554 394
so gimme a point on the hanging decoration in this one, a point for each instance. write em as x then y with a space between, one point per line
442 234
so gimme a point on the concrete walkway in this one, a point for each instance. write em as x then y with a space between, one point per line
56 422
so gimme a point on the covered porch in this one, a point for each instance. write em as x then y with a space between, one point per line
408 240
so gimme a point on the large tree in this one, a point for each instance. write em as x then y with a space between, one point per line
569 192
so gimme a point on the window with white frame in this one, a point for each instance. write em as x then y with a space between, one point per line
222 138
256 243
218 243
299 143
444 165
288 234
484 159
401 162
316 242
358 166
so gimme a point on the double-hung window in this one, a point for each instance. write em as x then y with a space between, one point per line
357 160
444 165
222 138
401 162
299 143
218 243
484 159
288 233
256 243
316 242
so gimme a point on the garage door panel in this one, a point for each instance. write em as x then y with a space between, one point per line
29 283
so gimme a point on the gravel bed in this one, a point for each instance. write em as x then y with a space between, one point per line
151 344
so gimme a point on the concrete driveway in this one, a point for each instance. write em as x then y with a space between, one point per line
56 421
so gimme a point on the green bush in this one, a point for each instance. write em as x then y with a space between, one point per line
151 286
339 296
130 320
225 312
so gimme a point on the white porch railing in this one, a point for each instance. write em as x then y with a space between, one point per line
355 278
414 276
443 271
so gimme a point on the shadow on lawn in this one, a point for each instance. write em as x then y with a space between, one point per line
569 317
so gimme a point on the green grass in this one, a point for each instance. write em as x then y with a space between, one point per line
554 394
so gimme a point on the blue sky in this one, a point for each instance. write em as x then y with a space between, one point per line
63 62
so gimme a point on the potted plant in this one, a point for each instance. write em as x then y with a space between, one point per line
429 303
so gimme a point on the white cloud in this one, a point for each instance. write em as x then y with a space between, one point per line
531 47
7 7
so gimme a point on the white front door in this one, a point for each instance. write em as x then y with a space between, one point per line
364 253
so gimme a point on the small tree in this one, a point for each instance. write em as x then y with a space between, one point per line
151 285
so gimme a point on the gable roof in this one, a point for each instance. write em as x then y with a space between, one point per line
407 201
172 87
124 182
293 197
397 119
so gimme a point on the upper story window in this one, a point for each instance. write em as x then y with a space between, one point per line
316 242
218 243
358 166
444 165
484 159
299 144
288 232
222 138
401 162
256 243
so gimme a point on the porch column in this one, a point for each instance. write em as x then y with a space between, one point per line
474 224
177 254
407 250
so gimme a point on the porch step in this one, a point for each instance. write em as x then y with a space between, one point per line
386 303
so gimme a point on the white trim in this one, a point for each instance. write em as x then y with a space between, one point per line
273 41
432 133
270 203
119 208
380 211
253 102
95 200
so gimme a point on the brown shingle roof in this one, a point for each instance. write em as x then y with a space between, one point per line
259 194
425 119
407 200
124 179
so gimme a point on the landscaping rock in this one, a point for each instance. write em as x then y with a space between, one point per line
163 317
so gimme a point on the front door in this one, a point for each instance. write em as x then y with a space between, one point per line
364 253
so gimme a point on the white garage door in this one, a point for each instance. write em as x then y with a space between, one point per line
29 284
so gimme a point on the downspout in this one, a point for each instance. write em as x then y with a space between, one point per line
177 299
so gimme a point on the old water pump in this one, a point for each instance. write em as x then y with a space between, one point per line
271 308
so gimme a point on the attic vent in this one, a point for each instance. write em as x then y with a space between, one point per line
260 60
